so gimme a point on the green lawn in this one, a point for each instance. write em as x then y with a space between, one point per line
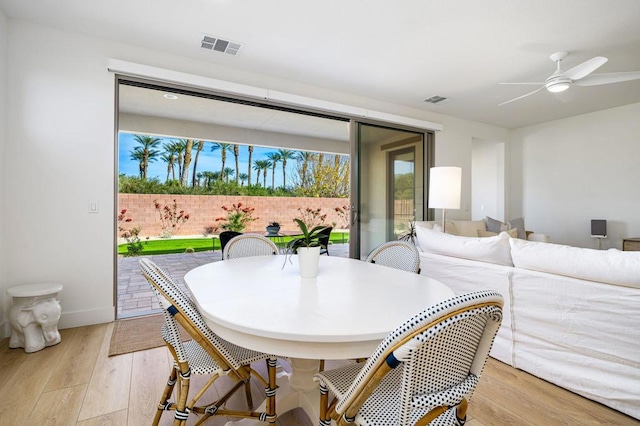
179 245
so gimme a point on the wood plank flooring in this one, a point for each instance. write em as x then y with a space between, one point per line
76 383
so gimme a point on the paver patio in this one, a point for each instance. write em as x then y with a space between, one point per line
135 297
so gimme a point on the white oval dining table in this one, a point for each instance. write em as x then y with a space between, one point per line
263 304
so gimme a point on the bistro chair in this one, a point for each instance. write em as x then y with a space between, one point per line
205 354
396 254
422 373
225 237
247 245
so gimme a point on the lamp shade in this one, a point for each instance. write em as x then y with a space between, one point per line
444 187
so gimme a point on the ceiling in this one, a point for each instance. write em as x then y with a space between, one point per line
401 52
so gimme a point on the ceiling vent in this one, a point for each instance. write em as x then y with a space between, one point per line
217 44
435 99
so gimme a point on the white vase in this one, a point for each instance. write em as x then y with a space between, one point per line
308 258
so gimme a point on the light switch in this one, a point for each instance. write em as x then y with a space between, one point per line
93 207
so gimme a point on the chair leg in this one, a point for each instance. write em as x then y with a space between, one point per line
168 389
247 393
461 411
272 364
182 414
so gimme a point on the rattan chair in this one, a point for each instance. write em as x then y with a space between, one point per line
396 254
422 373
247 245
205 354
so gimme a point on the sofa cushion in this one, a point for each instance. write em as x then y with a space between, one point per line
437 226
468 228
610 266
491 249
513 233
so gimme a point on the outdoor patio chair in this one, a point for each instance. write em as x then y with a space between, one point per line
247 245
396 254
425 371
205 354
225 237
324 239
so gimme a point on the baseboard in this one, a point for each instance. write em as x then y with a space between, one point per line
89 317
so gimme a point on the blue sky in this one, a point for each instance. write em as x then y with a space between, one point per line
207 161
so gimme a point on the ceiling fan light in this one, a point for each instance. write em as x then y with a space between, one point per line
558 87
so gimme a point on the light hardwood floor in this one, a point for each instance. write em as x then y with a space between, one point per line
76 383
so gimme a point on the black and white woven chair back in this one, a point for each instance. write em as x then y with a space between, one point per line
180 302
436 359
396 254
248 245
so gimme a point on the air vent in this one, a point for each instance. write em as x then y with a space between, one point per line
217 44
436 99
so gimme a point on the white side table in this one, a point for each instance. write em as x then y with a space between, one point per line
34 316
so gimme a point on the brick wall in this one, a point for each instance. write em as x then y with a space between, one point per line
204 209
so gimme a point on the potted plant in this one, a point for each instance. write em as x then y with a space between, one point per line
307 247
273 228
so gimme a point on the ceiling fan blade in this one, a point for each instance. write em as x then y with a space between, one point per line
523 96
607 78
537 83
585 68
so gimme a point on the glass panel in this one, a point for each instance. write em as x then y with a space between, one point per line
402 191
390 176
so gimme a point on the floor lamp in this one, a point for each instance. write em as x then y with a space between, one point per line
444 189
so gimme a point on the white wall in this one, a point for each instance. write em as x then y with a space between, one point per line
576 169
61 157
486 190
4 45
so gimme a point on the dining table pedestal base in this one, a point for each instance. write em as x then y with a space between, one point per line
295 390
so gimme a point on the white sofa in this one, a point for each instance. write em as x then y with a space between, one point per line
571 315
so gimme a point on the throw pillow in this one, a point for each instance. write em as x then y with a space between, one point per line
494 225
519 225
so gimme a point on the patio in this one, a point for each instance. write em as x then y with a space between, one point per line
135 297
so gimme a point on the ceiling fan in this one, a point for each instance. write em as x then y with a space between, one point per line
580 75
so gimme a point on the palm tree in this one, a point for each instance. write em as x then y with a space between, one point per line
228 171
178 147
223 147
274 158
243 177
236 154
175 149
261 166
168 158
198 146
138 155
208 177
285 154
188 147
149 151
250 148
304 157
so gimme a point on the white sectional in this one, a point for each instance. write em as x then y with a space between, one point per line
571 315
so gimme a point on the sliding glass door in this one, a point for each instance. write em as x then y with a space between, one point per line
388 175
